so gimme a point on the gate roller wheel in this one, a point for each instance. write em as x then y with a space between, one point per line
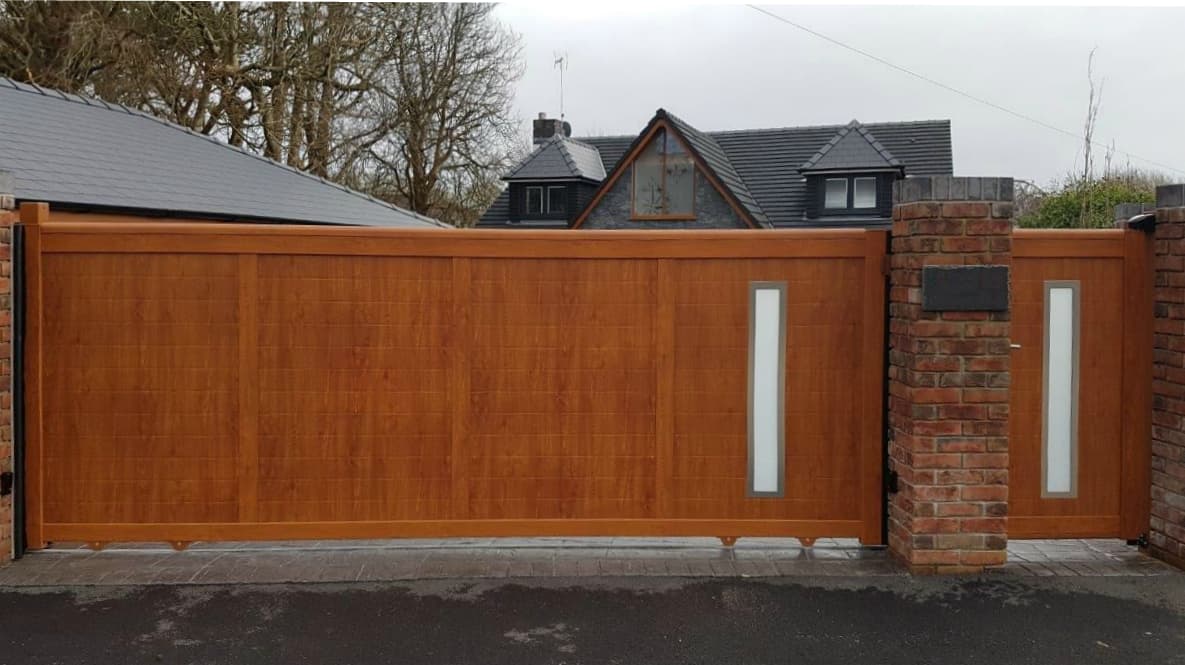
180 545
807 542
728 541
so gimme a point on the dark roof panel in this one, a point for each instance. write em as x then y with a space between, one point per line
720 164
75 151
560 158
853 147
768 159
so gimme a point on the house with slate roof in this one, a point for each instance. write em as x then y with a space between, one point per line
88 158
674 176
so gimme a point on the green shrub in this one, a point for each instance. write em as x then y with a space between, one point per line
1088 204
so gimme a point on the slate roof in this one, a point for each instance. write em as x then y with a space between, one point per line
717 160
559 158
83 153
853 147
768 160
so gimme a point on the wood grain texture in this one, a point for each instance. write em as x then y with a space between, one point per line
141 388
213 382
33 217
1138 317
1113 410
824 318
872 391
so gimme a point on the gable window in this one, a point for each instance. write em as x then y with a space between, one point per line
836 194
664 180
557 199
534 201
864 193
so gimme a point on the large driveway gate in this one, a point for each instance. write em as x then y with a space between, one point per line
1081 384
206 382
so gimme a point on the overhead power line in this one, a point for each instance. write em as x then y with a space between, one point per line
957 91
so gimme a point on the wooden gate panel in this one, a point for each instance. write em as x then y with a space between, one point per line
353 388
1113 391
139 397
824 318
212 382
564 425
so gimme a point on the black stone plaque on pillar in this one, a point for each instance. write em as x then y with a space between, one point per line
965 288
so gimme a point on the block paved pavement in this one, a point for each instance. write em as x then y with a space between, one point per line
416 559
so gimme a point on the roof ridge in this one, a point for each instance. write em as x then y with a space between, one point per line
718 132
844 132
562 143
691 132
876 145
101 103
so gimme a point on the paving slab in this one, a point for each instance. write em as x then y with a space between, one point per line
486 558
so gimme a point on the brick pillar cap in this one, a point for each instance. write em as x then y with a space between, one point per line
6 183
1170 196
952 188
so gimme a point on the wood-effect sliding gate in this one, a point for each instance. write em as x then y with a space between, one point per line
223 382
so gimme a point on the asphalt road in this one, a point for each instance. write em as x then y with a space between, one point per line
997 620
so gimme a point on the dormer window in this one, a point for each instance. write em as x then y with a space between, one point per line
837 194
849 193
549 201
664 180
534 201
557 199
864 193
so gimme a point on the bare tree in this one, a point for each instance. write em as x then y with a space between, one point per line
446 93
408 102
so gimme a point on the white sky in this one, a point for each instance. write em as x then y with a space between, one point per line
730 67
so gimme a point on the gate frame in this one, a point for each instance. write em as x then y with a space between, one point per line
1134 247
42 235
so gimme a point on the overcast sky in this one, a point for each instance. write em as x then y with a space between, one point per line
730 67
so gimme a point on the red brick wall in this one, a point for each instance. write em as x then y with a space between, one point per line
1167 533
948 381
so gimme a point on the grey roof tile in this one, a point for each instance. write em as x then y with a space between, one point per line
717 160
560 158
768 159
852 147
80 152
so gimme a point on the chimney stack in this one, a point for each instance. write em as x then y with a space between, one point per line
546 127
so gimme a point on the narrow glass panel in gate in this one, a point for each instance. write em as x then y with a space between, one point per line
767 379
1059 446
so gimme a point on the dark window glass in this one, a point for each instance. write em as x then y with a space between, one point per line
557 199
534 200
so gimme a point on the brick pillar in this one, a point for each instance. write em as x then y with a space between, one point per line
7 219
1166 535
948 380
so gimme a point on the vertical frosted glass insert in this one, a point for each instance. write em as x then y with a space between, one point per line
1061 388
767 339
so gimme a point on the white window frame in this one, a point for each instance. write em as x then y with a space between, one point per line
527 200
846 188
856 192
548 202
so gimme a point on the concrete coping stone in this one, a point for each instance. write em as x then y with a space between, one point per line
952 188
1170 196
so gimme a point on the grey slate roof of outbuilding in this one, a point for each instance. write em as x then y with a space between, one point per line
558 158
853 147
768 160
83 153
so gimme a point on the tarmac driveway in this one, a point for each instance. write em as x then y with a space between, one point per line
645 620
